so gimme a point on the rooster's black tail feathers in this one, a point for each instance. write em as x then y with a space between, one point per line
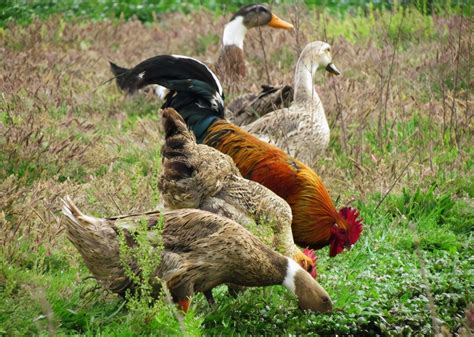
195 91
121 77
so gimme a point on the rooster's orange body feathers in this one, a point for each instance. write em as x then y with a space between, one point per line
313 210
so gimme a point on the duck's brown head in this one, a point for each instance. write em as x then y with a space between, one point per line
260 15
310 294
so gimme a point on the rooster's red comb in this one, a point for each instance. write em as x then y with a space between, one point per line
354 225
312 255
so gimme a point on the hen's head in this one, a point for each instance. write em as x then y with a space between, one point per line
345 237
307 260
312 255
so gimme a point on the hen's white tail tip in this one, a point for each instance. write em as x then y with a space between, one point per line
73 213
70 210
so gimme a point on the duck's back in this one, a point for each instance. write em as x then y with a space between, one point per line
296 130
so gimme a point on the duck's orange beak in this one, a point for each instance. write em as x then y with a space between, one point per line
276 22
184 304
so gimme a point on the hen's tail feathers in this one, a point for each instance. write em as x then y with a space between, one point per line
195 91
98 244
179 143
177 183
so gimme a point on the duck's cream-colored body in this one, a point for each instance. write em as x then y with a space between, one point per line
198 176
201 250
302 129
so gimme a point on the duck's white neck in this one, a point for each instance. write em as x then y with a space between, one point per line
304 89
234 33
291 269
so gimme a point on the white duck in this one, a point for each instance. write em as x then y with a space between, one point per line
302 129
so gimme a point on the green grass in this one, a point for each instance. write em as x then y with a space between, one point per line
377 287
404 159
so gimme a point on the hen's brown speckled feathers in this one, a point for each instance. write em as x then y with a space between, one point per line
198 176
188 176
201 251
220 248
97 241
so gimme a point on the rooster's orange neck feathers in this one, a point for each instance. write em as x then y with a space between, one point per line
313 202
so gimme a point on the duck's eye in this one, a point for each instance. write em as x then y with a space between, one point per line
329 51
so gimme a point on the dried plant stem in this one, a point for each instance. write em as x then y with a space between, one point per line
453 119
296 21
111 197
382 118
113 218
341 115
396 181
265 62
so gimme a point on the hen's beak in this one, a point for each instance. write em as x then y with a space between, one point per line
332 69
276 22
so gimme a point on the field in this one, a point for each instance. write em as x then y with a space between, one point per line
401 151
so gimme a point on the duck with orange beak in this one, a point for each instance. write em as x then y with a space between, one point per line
231 66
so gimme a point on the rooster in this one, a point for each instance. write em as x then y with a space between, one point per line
196 93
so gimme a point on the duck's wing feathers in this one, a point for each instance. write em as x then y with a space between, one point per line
249 108
274 126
